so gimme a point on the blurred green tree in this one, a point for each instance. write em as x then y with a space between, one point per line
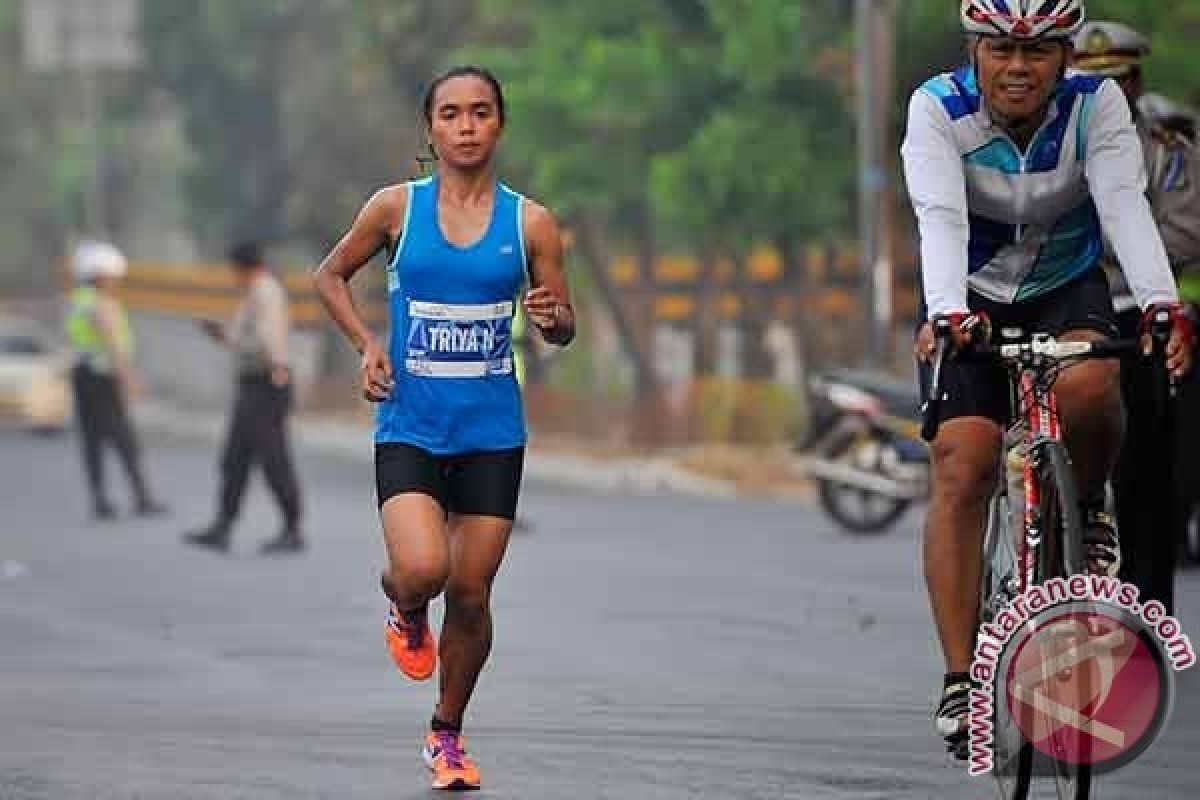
599 91
296 111
225 63
769 154
41 179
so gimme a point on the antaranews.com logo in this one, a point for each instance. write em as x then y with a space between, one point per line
1077 668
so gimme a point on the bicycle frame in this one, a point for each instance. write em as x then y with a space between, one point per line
1038 414
1033 367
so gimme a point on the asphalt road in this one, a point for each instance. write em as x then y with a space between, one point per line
646 647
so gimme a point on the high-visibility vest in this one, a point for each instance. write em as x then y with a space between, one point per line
85 337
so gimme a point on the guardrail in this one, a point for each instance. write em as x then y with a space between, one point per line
671 293
208 291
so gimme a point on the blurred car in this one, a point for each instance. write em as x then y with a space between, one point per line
35 390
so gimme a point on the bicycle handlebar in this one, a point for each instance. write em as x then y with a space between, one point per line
1053 350
1041 349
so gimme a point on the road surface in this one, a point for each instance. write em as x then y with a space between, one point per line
646 647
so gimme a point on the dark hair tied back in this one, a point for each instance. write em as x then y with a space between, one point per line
467 70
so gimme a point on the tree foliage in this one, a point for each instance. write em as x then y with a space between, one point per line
40 176
296 110
759 165
682 124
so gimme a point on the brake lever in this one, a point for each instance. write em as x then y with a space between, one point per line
1160 335
931 408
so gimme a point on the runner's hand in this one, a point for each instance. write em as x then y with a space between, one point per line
376 372
542 306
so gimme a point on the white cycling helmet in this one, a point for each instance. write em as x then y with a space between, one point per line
1024 19
98 260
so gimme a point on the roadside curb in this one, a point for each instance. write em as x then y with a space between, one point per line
346 440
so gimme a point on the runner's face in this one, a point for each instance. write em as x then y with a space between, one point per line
1018 76
466 122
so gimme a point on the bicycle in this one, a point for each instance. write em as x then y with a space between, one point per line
1038 536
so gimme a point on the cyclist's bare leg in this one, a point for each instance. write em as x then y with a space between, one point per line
965 454
1089 406
477 545
414 533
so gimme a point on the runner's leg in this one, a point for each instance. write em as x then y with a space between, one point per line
477 546
414 533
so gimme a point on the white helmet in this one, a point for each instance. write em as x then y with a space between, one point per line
97 260
1024 19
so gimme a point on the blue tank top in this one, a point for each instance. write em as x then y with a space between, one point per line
451 340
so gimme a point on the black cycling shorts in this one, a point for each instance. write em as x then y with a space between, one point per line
974 389
484 483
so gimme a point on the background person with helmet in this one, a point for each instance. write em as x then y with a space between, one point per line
103 379
1147 504
1016 170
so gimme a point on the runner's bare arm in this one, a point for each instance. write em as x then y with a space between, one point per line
377 224
548 302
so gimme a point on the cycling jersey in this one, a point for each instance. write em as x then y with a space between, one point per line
1014 225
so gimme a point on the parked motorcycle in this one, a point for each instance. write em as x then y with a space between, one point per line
865 450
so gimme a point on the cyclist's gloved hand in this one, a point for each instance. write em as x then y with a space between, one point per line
964 328
1182 338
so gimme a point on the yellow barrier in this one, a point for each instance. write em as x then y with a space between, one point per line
208 291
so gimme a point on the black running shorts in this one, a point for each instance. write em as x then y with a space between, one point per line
982 390
483 483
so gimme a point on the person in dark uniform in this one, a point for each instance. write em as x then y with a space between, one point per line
103 379
1148 509
258 337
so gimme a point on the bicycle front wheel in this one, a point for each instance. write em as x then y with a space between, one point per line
1061 555
1013 756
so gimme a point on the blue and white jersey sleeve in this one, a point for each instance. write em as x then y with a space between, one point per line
1116 176
933 170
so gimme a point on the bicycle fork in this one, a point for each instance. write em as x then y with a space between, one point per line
1041 425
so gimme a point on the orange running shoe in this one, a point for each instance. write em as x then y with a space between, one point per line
446 756
411 643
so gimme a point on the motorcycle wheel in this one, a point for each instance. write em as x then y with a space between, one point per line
859 511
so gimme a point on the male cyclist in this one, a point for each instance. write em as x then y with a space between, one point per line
1015 171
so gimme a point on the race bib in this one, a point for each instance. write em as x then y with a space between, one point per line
459 341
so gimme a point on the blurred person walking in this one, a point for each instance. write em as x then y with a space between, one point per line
450 434
103 380
258 338
1148 506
